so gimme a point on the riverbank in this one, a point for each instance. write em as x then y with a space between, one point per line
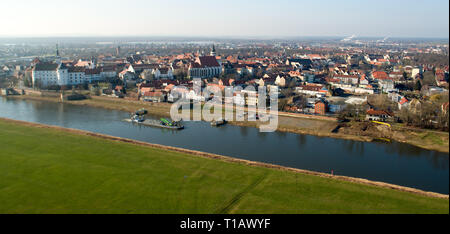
81 172
323 127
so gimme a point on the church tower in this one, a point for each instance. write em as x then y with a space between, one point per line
118 51
213 51
57 51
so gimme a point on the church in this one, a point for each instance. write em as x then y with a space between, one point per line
205 66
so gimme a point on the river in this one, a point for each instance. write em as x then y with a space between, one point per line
395 163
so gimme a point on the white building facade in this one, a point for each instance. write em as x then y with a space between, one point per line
58 74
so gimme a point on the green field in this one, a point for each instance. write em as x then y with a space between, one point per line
51 171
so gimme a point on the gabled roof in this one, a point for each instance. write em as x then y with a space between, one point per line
208 61
381 75
36 60
346 76
139 67
378 112
76 69
46 67
403 101
153 94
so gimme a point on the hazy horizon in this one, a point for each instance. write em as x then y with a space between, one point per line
229 19
236 37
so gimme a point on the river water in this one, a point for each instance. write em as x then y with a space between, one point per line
395 163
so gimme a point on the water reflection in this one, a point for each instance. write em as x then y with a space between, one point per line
301 140
244 131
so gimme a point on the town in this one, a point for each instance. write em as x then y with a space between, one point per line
215 116
386 80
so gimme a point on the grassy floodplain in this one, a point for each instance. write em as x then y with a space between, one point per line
47 170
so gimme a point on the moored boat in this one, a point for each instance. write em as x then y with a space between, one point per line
218 123
139 118
156 123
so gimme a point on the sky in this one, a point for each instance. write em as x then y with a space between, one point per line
225 18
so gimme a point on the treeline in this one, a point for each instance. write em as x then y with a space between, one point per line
434 59
428 113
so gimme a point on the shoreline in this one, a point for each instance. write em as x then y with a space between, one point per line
234 160
163 110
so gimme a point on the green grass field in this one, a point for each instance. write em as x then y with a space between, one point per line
52 171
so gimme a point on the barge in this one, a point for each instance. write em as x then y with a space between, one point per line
156 123
139 118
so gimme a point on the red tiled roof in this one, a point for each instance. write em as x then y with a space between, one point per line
346 76
378 112
403 101
381 75
153 94
316 88
145 66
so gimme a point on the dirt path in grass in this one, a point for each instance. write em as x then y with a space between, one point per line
238 197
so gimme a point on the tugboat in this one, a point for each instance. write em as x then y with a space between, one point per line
139 118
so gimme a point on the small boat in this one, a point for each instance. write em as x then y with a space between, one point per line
141 112
218 123
382 139
138 116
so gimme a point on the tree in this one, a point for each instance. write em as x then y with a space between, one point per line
429 114
405 76
301 101
443 120
418 85
180 74
282 104
27 80
429 78
292 83
382 102
147 75
351 112
287 92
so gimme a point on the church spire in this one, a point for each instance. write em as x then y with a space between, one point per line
213 51
57 50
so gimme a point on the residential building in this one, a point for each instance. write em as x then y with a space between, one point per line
379 115
348 79
312 90
153 97
46 74
320 107
387 86
163 73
